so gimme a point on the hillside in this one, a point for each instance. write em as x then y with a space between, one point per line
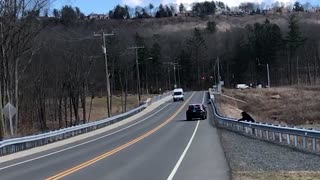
58 65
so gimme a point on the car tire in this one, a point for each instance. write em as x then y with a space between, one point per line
189 119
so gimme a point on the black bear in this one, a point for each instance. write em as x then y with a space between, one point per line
246 117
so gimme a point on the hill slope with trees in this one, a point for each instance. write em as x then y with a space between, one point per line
58 61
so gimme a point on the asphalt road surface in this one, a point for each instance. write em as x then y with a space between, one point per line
159 145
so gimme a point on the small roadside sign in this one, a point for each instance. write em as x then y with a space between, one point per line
9 111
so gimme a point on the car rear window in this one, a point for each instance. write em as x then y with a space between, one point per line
177 93
196 107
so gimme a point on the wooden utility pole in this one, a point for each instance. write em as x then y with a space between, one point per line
174 71
138 73
103 35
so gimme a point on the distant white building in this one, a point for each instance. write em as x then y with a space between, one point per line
186 14
98 16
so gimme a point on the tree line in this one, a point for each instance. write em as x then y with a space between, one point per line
198 9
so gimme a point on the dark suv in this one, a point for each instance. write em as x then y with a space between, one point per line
196 111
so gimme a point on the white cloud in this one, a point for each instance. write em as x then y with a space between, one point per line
133 3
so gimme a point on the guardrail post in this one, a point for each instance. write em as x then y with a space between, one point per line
288 139
304 142
260 131
295 140
267 134
314 144
280 137
273 136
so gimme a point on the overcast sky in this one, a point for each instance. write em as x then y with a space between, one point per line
103 6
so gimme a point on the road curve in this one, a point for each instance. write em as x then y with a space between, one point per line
159 145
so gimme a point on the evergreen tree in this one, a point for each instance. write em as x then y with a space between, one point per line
297 7
211 26
181 8
150 8
294 40
68 16
120 12
56 13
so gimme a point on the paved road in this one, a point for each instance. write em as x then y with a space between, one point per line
159 145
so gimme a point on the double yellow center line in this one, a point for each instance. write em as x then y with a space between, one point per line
109 153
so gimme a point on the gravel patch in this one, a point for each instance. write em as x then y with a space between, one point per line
248 154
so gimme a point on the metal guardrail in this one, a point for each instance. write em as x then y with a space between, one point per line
161 96
300 138
19 144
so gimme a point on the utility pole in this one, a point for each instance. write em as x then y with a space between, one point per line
103 35
174 71
169 82
219 77
268 72
179 67
147 88
174 75
138 73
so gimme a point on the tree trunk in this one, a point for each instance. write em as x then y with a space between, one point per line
66 110
16 95
60 112
122 91
84 94
90 108
289 67
309 72
2 128
70 110
297 69
315 69
126 95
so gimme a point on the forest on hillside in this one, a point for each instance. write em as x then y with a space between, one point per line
50 65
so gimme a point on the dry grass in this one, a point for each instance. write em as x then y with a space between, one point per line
282 175
99 110
296 105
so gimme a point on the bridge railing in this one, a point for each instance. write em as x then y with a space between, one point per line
300 138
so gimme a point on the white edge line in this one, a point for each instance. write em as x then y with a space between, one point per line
175 169
92 140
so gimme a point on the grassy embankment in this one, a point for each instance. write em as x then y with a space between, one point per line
298 106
